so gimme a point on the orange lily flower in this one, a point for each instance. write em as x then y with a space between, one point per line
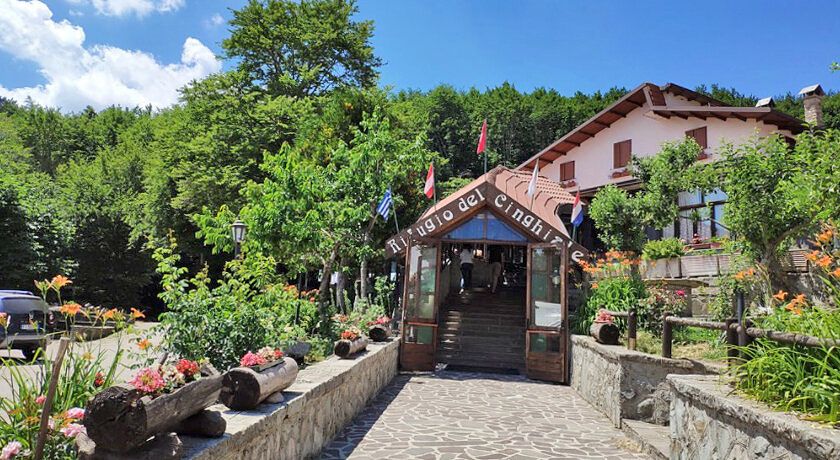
826 236
143 344
109 314
135 313
836 272
780 296
813 256
70 309
824 261
59 281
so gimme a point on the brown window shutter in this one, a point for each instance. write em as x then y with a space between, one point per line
628 147
617 155
567 171
700 135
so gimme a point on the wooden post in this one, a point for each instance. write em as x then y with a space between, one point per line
667 337
631 329
731 341
45 414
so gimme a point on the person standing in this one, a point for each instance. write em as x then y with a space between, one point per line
466 267
497 260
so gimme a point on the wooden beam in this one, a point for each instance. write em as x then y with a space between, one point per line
604 125
680 115
738 116
662 114
576 144
717 115
633 102
622 115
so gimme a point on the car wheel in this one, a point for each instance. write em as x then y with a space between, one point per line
30 352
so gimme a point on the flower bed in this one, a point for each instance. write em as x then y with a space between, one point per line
123 417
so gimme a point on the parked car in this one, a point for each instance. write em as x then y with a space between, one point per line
29 322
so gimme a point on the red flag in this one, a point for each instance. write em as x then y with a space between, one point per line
429 189
482 140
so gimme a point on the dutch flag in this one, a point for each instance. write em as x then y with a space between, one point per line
577 211
385 203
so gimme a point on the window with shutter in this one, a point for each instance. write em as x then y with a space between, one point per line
699 135
567 171
621 154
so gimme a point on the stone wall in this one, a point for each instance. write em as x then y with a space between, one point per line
709 422
324 398
624 383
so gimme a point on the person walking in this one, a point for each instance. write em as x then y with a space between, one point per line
497 261
466 267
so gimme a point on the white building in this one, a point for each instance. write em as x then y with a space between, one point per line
597 152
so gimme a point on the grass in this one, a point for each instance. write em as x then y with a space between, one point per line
689 343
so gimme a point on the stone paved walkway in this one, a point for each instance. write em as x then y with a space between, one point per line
454 415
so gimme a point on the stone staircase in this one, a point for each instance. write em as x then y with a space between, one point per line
480 329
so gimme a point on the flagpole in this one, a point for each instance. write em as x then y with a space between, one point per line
394 210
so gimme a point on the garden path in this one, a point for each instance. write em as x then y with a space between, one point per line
455 415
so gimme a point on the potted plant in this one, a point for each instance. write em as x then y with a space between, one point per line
352 341
158 399
379 330
603 329
260 375
662 258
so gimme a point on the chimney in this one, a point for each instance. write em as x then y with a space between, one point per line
766 102
812 100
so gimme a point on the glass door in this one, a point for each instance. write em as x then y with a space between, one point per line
547 335
419 332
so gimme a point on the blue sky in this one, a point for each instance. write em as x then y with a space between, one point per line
130 51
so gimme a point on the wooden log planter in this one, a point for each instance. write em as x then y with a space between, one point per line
346 348
244 388
606 333
379 333
121 418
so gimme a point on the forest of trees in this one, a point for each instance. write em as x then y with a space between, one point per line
297 139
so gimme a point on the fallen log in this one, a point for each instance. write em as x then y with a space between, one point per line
379 333
244 388
345 348
606 333
121 418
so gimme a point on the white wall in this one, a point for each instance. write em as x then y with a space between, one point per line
594 158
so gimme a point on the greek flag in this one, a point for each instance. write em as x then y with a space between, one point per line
384 206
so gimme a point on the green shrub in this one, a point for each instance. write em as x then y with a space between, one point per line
663 249
251 307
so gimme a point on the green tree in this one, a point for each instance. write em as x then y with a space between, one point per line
776 193
302 48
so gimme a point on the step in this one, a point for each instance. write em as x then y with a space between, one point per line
655 440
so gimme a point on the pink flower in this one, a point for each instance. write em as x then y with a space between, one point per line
680 293
148 381
76 413
11 450
252 359
72 430
40 400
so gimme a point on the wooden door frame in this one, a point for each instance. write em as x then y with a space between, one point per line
549 359
407 348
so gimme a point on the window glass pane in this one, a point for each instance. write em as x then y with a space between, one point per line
539 260
422 276
668 232
704 229
686 226
545 343
421 335
473 229
715 195
545 286
690 198
718 216
497 230
548 314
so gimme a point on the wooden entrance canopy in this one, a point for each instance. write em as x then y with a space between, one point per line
505 192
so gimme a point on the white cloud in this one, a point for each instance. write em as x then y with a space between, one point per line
128 7
98 75
215 21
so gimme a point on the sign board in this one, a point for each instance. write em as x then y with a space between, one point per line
483 195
